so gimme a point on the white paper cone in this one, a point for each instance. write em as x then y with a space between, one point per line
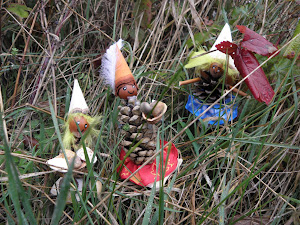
225 35
78 103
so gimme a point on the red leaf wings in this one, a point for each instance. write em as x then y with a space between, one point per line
246 62
255 42
257 82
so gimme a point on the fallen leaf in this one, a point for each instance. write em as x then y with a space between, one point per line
255 42
143 7
257 82
207 21
30 141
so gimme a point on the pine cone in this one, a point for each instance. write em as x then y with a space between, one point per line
134 128
209 89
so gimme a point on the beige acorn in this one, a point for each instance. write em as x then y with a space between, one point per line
135 127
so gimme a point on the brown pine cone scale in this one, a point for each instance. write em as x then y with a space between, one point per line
134 129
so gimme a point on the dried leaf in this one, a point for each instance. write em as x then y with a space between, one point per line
255 42
207 21
143 7
258 83
30 141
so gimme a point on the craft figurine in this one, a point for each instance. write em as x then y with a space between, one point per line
247 64
116 72
137 123
60 164
210 69
79 123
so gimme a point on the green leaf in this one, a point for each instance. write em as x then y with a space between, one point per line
19 10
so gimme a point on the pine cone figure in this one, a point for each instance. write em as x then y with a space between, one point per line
209 88
134 128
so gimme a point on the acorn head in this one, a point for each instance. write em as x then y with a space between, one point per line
216 70
126 87
82 123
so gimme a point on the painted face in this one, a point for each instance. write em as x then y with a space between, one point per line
82 124
125 90
216 70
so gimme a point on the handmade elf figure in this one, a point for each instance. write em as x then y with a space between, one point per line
137 122
116 72
79 127
212 69
79 123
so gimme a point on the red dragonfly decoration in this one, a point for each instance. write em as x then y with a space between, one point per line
246 62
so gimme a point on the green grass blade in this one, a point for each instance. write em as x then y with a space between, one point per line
16 190
148 211
62 196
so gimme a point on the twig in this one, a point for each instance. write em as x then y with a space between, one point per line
23 27
43 110
264 19
238 91
190 81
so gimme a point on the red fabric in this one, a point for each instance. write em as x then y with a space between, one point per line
147 174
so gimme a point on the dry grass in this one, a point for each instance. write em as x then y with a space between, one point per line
249 167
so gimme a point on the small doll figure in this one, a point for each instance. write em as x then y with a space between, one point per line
116 72
79 123
138 123
211 68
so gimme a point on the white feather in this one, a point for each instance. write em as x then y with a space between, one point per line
108 66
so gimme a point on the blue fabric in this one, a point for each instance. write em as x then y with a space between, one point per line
196 106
